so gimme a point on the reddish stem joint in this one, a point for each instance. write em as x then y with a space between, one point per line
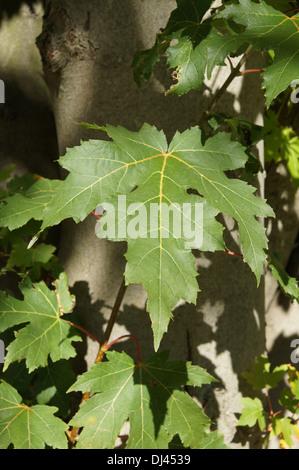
251 71
105 348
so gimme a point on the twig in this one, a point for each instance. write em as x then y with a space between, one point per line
73 434
234 73
111 321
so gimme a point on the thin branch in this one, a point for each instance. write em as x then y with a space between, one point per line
111 321
73 434
234 73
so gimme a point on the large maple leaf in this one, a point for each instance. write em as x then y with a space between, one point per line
149 172
150 394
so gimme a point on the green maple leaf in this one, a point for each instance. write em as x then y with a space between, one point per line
47 333
252 412
142 167
28 427
200 46
261 376
20 256
185 26
187 17
288 284
289 396
31 204
285 428
213 441
150 394
267 28
188 61
282 143
52 383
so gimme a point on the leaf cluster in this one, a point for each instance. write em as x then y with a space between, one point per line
196 40
282 423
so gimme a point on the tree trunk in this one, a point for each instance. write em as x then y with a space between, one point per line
87 50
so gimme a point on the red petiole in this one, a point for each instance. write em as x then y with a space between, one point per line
105 348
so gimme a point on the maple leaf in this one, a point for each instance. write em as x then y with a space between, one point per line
285 429
267 28
252 412
47 333
282 143
18 209
188 62
150 394
200 46
213 441
28 427
21 256
288 284
185 27
51 384
261 376
148 172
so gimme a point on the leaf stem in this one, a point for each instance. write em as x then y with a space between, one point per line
96 215
72 435
290 11
126 336
84 331
269 402
111 321
251 71
232 253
